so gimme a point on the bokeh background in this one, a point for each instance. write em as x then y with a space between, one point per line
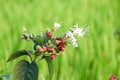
96 58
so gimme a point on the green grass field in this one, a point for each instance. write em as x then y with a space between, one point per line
96 58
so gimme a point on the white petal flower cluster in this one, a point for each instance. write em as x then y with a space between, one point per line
74 42
57 25
70 35
80 31
76 31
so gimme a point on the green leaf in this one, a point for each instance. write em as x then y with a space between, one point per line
38 40
17 54
50 67
23 70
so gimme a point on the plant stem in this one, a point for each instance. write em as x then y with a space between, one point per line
50 67
30 57
39 60
35 58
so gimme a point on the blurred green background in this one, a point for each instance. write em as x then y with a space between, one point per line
96 58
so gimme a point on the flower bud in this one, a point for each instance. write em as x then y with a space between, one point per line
59 40
42 49
50 49
53 56
49 34
25 36
61 47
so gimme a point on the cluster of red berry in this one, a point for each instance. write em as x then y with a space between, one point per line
53 48
59 46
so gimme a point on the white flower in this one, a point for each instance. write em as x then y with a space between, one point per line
73 39
69 34
76 31
74 42
57 25
80 31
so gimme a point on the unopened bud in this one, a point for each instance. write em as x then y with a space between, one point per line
49 34
53 55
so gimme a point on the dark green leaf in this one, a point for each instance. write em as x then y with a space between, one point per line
23 70
50 67
17 54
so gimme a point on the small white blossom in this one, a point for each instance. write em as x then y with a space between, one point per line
57 25
80 31
74 42
69 34
76 31
73 39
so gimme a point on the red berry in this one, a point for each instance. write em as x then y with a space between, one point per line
42 49
53 55
61 40
50 49
49 34
61 47
112 77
